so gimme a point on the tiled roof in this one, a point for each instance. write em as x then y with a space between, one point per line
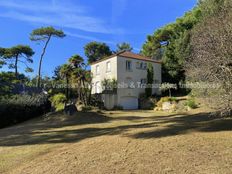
128 54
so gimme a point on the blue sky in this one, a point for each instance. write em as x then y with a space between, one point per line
109 21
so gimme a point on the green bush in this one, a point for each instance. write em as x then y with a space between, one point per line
58 101
18 108
191 103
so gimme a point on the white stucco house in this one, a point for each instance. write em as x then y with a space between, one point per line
130 72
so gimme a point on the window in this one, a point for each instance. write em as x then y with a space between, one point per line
108 67
143 81
138 65
128 65
145 66
97 87
141 65
97 70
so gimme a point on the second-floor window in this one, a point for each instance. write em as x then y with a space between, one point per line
128 65
97 70
141 65
108 67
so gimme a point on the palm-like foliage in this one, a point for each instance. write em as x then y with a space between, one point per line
76 61
65 72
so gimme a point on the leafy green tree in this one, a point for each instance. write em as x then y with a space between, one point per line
124 47
44 34
56 73
150 80
171 44
96 51
17 53
8 82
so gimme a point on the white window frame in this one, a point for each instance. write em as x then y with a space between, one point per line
97 69
108 66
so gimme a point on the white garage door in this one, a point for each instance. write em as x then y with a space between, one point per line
129 102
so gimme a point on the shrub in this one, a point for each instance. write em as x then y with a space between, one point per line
58 101
147 103
18 108
86 108
191 103
173 99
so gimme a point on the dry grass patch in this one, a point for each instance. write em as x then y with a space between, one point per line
118 142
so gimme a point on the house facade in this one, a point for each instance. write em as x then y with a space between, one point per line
130 72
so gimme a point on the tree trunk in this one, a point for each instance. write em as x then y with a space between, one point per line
89 96
84 93
67 90
16 66
40 61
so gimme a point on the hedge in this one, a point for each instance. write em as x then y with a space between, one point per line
18 108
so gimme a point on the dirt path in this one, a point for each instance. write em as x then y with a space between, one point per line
118 142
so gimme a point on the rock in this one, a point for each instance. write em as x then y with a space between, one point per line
174 106
188 108
156 109
166 106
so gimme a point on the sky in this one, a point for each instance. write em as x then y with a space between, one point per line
83 21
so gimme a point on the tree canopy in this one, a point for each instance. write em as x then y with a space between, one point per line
76 61
96 51
171 44
44 34
2 60
124 47
16 53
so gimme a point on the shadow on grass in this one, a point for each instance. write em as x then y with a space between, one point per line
188 123
73 128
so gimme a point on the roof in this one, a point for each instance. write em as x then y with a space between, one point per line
128 54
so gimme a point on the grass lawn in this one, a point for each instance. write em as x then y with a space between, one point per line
118 142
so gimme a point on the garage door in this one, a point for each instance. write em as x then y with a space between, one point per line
129 102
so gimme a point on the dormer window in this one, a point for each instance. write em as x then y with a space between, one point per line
128 65
97 70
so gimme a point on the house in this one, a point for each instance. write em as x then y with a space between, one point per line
130 72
